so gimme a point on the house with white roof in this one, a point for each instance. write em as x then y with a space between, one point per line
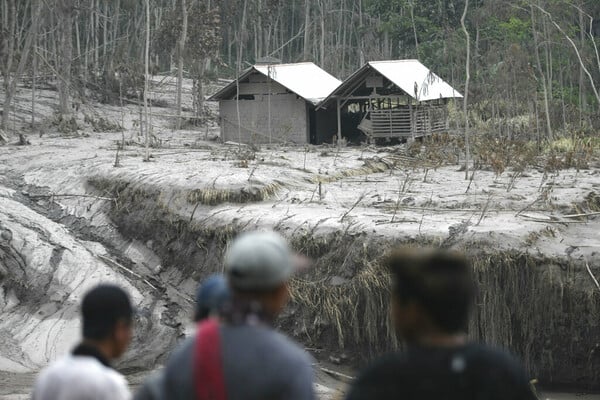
276 103
386 100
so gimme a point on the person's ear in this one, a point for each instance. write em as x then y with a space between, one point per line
122 334
281 296
396 311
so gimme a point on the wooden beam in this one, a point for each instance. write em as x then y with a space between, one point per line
339 122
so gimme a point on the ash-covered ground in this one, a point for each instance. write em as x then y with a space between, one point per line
82 208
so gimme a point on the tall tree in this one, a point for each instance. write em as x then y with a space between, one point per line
180 58
543 76
65 10
9 49
466 95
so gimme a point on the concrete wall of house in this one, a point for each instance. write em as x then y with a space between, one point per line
288 119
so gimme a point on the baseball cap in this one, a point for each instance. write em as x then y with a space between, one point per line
259 260
210 296
102 307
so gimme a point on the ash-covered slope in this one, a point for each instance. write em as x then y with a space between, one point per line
44 272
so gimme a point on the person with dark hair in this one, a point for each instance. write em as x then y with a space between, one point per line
211 297
86 373
433 291
241 356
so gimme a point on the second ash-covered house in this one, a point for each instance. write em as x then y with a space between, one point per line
394 99
276 103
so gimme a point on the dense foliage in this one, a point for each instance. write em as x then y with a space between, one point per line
528 56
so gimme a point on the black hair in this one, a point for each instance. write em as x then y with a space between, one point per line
438 280
102 308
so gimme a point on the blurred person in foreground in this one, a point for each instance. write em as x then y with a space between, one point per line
211 297
86 373
242 356
432 293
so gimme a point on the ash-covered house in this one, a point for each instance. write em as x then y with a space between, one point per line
276 103
396 99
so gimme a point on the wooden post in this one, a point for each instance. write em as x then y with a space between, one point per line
412 119
339 122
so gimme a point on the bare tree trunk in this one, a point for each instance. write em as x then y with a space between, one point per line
258 37
33 78
343 69
10 84
66 55
306 51
361 47
115 32
180 54
322 39
146 81
95 29
239 71
412 19
199 89
105 37
466 96
543 75
577 53
582 100
8 50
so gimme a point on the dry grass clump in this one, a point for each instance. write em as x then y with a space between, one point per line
346 295
356 312
370 166
545 310
246 194
207 196
500 154
576 151
589 205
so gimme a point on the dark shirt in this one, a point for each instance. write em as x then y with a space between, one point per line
84 349
472 371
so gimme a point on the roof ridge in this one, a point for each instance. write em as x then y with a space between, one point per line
284 64
395 61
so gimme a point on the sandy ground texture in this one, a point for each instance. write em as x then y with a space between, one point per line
56 239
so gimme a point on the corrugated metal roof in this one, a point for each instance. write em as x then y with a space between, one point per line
305 79
415 79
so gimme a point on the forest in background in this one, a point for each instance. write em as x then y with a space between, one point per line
532 63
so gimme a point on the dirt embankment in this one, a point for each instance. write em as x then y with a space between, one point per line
543 307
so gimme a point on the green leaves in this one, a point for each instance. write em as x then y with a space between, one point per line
515 30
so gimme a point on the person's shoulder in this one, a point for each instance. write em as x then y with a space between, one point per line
380 378
83 374
104 378
152 388
69 365
495 356
381 367
288 348
183 351
506 369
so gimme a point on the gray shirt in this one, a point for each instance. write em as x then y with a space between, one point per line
152 388
258 363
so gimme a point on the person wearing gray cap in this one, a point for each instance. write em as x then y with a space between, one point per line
241 356
86 373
